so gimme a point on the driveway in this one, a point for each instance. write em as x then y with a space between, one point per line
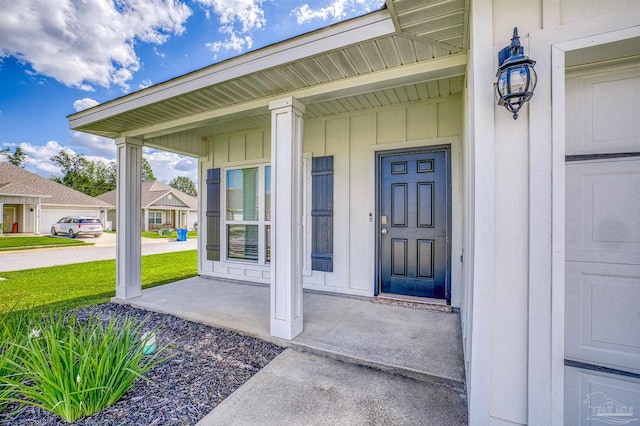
104 248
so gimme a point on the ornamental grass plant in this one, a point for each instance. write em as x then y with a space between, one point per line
14 331
74 367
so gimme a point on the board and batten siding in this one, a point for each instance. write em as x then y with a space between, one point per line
166 202
352 139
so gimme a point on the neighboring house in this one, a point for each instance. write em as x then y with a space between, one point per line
371 158
31 203
162 205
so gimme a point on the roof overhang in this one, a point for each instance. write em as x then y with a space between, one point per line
409 42
426 71
334 37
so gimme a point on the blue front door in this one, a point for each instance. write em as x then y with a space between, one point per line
414 222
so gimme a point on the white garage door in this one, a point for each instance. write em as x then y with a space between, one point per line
48 216
602 278
193 218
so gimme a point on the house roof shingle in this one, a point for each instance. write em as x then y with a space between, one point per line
15 181
153 191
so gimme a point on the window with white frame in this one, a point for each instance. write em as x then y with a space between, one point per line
155 218
246 218
248 214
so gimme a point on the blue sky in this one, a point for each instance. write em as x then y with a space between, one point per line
58 57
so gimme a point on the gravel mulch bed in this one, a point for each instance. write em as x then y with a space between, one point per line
207 365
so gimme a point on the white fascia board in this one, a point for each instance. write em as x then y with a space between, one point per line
338 36
26 195
83 206
449 66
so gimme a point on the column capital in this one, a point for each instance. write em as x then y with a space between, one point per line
289 101
128 140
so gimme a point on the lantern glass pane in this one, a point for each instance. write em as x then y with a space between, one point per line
518 79
534 79
503 84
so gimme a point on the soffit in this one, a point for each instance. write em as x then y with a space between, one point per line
425 30
349 104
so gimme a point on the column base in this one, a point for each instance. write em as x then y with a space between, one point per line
285 329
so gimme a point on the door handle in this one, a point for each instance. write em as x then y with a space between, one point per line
383 231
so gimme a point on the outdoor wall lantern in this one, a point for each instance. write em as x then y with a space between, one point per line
516 77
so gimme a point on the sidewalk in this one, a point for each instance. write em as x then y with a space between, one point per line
298 388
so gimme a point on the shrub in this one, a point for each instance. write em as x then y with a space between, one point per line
75 367
14 331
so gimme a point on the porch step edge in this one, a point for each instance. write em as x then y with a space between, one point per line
423 376
413 304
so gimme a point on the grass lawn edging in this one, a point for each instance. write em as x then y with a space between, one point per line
10 243
83 284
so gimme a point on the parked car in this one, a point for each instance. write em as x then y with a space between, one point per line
77 225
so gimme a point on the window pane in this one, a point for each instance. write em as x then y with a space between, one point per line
267 193
242 194
268 245
242 242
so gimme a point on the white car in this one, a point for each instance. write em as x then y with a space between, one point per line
77 225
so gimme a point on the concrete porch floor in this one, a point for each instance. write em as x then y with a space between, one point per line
417 344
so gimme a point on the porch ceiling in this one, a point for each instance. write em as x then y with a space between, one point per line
210 101
378 98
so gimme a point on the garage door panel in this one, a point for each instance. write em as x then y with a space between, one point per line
603 211
604 111
598 398
603 314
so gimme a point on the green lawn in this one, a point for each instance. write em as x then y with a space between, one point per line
83 284
173 234
26 243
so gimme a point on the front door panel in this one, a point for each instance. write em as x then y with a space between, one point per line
413 223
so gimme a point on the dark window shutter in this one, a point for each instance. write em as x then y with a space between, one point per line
322 214
213 214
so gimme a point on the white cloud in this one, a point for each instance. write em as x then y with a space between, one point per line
167 165
238 20
94 145
158 52
145 83
40 157
85 44
335 10
84 103
233 42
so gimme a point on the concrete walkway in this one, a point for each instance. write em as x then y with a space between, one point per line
423 346
299 388
103 248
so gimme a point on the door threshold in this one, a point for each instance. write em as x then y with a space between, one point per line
423 303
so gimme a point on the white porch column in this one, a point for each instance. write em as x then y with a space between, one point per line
36 231
2 217
128 206
286 219
146 219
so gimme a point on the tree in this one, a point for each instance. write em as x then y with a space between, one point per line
184 184
147 172
92 177
18 158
